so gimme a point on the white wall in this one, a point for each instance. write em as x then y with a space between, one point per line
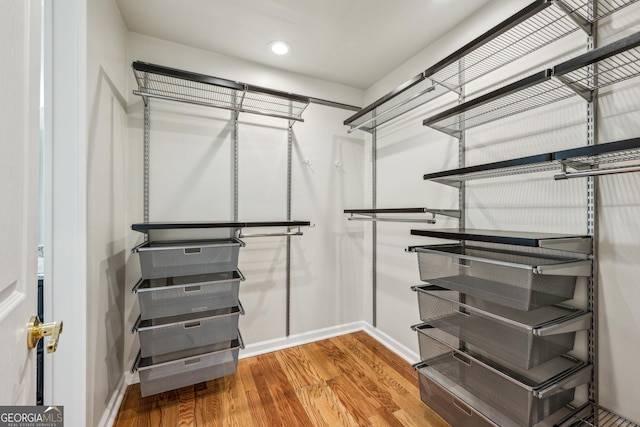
107 248
191 179
406 150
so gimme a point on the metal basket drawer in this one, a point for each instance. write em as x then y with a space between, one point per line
175 258
507 396
451 409
176 333
174 296
518 280
175 370
522 338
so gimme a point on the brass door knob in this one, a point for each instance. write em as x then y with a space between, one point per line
36 330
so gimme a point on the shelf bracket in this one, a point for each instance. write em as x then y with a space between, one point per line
449 86
581 22
584 92
454 133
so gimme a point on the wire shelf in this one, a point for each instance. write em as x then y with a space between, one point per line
603 8
411 95
532 29
616 62
594 415
155 81
541 23
579 159
526 94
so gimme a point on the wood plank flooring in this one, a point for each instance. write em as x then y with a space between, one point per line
351 380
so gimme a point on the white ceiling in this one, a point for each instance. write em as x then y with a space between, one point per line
352 42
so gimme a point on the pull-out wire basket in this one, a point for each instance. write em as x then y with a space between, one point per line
507 396
518 280
521 338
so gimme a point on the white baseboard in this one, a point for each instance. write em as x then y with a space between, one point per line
111 411
392 344
300 339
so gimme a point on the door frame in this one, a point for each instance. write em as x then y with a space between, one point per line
65 169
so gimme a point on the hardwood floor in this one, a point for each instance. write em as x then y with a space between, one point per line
351 380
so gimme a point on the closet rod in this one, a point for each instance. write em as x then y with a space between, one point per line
333 104
596 172
374 219
288 233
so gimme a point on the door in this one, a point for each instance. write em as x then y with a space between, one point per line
20 29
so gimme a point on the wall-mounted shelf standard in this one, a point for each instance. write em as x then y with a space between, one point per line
563 242
616 62
591 414
583 160
156 81
396 214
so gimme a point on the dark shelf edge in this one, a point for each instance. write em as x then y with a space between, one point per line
591 150
598 54
388 210
216 81
594 150
521 161
517 239
146 226
515 19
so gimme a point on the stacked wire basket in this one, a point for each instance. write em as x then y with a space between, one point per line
189 312
495 336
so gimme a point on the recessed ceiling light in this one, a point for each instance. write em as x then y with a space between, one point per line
279 47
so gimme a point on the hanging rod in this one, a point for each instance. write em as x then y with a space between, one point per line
293 224
369 214
378 219
596 172
288 233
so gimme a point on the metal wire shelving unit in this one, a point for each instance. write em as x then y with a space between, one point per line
535 26
540 24
156 81
615 62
